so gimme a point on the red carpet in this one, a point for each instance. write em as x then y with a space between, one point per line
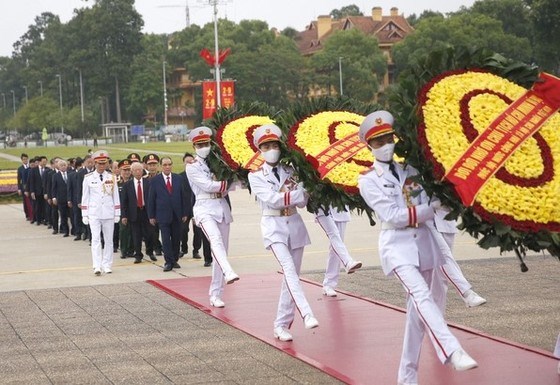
359 341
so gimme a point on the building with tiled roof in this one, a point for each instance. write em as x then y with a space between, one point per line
388 30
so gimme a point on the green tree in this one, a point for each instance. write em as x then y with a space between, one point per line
463 29
349 10
514 15
545 16
363 64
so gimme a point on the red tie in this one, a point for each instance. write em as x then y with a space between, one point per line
139 193
168 185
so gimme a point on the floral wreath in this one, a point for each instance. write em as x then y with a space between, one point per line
517 209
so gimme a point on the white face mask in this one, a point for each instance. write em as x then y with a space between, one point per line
203 152
384 153
271 156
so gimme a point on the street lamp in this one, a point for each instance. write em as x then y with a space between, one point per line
60 98
81 95
26 98
14 101
340 74
40 85
217 55
164 97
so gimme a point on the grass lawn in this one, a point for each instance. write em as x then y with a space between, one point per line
117 151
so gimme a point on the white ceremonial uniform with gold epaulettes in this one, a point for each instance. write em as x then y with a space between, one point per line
410 250
212 214
284 233
101 205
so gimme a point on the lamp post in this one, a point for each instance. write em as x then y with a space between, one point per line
340 74
60 98
14 101
81 95
41 86
217 55
164 97
26 98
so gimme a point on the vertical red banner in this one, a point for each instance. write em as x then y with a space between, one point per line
208 99
227 93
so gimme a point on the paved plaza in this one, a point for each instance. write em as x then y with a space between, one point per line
62 325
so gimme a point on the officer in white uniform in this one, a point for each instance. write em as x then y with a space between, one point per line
283 230
211 212
450 270
101 209
333 224
409 249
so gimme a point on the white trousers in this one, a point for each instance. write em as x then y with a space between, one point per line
218 236
102 256
291 294
450 272
338 253
423 314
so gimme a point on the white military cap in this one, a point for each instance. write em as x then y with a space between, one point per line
266 133
100 156
376 124
200 134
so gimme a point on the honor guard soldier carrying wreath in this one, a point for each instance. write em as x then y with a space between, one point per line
101 209
211 212
283 230
409 247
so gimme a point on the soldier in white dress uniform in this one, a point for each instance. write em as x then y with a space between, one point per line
283 230
211 212
101 209
333 224
410 247
450 270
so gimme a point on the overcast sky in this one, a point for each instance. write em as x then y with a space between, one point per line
166 16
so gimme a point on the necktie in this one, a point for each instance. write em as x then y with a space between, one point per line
275 172
168 185
101 177
41 171
394 171
140 198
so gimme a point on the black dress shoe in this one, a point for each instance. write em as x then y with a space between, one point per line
115 250
159 253
65 235
196 255
207 264
78 238
55 232
123 256
137 259
176 266
167 267
181 255
152 257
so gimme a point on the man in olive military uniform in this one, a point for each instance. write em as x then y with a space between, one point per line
125 234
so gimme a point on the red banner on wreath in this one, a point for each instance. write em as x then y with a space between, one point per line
487 154
227 96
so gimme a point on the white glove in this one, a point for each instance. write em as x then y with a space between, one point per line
85 221
117 219
435 204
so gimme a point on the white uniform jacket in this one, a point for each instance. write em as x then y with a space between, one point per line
209 192
442 224
340 215
100 198
276 196
405 238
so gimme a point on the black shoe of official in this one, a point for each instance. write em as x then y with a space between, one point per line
78 238
196 255
123 256
137 259
115 249
181 255
167 267
207 264
159 253
152 257
176 266
55 232
66 235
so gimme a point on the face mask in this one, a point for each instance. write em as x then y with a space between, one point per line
203 152
384 153
271 156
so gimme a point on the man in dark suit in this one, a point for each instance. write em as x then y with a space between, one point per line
187 158
167 207
59 194
74 200
88 166
52 211
134 211
22 180
36 176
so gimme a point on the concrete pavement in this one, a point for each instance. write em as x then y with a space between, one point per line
63 325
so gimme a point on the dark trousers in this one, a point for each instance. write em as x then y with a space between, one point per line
141 229
39 208
77 215
170 240
116 232
27 208
63 215
200 238
185 236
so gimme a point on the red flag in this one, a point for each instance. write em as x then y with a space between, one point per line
208 57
